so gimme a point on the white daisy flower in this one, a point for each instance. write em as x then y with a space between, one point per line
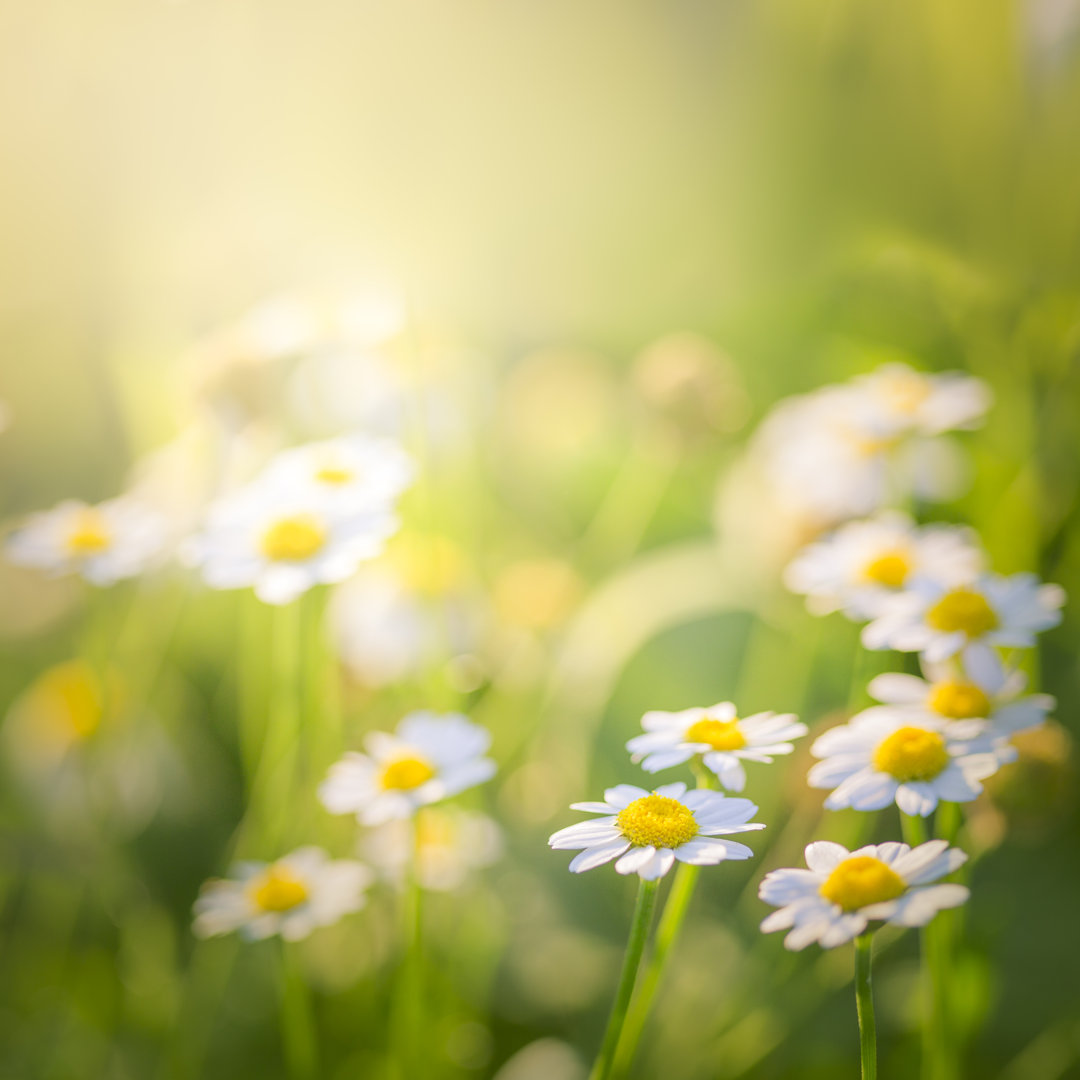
427 759
450 844
291 897
879 757
843 891
649 831
351 472
835 454
722 739
927 404
941 620
284 542
105 543
863 563
980 689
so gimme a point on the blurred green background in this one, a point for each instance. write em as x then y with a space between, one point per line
622 232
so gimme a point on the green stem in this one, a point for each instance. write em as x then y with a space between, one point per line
635 947
668 930
297 1019
864 1005
408 1060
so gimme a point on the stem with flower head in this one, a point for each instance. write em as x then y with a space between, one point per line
667 933
937 1049
864 1004
635 947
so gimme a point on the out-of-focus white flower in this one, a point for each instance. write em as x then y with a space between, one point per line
649 831
940 621
981 689
291 897
911 400
282 542
117 539
428 759
449 843
842 892
722 739
879 757
863 563
353 472
847 450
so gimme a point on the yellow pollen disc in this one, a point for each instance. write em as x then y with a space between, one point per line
278 889
860 881
905 392
330 474
656 821
890 569
406 773
719 734
965 610
89 534
293 539
958 700
911 753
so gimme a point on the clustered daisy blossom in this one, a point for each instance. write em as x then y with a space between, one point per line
291 896
647 832
311 518
427 759
857 568
843 892
117 539
717 735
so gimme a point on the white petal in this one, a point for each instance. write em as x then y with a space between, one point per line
592 857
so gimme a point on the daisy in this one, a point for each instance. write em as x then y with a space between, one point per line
283 542
940 620
105 543
722 739
879 757
427 759
843 891
451 843
291 897
649 831
980 689
355 471
928 404
863 563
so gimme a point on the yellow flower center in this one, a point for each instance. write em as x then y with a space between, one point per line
334 474
860 881
905 391
293 539
889 569
958 700
911 753
89 534
719 734
406 773
965 610
278 889
656 821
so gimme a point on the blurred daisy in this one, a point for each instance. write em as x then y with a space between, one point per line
843 891
427 759
351 472
284 542
649 831
983 688
722 739
879 757
859 566
939 620
291 897
928 404
450 844
117 539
